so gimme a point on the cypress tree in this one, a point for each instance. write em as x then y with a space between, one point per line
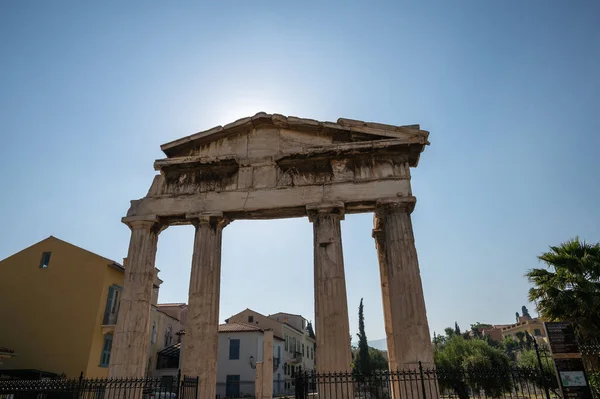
456 328
364 363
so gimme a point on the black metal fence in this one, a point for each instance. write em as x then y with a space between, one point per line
247 389
591 360
422 383
101 388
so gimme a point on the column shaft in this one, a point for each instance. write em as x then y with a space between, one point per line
405 316
267 371
129 351
201 336
406 326
331 304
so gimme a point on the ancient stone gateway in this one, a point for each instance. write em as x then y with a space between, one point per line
269 167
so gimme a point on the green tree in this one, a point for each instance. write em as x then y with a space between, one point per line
377 360
474 359
364 363
456 328
568 289
477 327
521 337
511 347
528 359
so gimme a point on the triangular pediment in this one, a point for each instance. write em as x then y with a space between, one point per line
342 131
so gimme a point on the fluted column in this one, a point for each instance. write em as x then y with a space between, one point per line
129 351
405 317
201 335
331 304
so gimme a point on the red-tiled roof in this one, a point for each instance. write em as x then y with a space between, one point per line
237 327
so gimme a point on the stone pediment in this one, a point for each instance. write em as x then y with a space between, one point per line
274 166
276 136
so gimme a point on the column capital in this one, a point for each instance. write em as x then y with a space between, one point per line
406 204
148 222
325 208
214 219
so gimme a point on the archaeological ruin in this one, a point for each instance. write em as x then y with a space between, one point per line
270 167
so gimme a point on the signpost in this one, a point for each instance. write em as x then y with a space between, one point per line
567 361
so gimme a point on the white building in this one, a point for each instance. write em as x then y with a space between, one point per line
240 347
298 345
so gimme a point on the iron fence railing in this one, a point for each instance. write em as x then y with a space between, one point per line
101 388
422 383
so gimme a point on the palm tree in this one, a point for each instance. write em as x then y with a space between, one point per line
569 288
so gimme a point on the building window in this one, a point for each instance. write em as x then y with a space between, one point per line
106 346
279 353
234 349
45 262
285 369
111 311
168 336
286 342
294 347
302 350
250 319
537 332
154 332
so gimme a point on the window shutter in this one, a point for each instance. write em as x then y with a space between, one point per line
109 301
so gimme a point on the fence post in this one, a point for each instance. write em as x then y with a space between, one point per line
543 375
423 380
178 384
80 382
299 385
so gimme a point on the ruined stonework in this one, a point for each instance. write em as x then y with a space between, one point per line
269 167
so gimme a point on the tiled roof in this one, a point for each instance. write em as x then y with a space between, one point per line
289 314
237 327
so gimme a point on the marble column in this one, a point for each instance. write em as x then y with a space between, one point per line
331 304
201 335
129 353
267 370
405 317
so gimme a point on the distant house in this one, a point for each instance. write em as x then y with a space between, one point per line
240 347
298 348
525 324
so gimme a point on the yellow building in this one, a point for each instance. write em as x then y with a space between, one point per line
58 308
533 327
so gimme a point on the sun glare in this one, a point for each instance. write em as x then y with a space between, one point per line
241 107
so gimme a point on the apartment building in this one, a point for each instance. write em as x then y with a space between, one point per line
298 340
60 305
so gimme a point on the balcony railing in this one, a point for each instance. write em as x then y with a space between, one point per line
297 358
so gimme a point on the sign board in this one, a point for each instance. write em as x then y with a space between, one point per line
561 337
567 361
572 377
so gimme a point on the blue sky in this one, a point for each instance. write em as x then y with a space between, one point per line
509 90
